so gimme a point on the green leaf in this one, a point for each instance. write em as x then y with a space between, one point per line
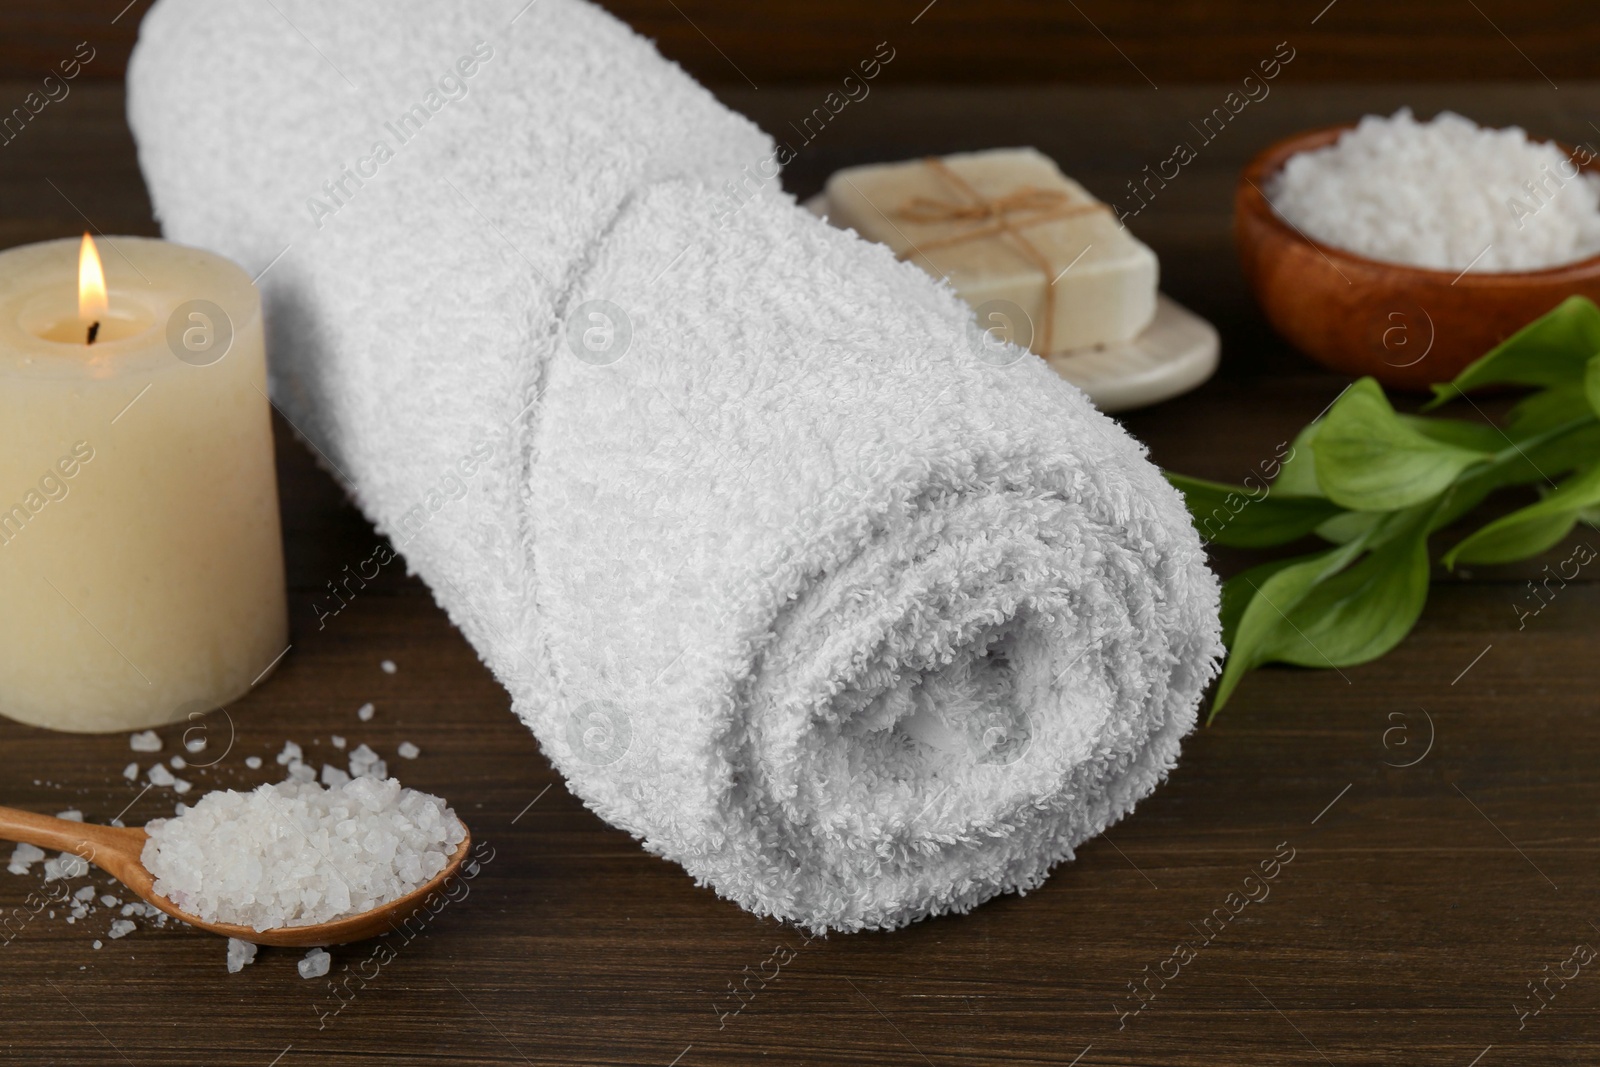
1377 483
1530 530
1543 461
1322 611
1238 591
1242 518
1349 525
1547 409
1550 350
1298 474
1474 436
1270 598
1362 612
1369 459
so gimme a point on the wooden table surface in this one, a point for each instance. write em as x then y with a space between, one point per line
1440 805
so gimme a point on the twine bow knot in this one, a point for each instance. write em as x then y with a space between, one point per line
1003 216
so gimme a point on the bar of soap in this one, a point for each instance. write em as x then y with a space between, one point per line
1007 225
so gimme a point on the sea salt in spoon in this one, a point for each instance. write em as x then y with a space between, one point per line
117 851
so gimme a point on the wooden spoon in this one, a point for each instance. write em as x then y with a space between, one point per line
117 851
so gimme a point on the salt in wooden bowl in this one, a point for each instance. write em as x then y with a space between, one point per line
1406 326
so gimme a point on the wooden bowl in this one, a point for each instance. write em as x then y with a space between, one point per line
1406 326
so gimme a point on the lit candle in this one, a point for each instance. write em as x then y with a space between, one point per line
141 565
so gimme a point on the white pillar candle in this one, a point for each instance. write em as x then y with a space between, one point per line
141 562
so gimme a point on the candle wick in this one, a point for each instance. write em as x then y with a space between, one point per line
94 330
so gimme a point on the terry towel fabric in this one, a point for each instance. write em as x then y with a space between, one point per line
795 574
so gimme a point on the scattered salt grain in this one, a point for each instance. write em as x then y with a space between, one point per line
121 928
301 772
180 787
151 912
388 667
240 955
97 945
71 815
338 742
244 857
65 867
145 742
159 775
195 744
253 762
365 711
365 763
333 777
408 751
131 771
178 763
1445 194
23 857
290 753
108 901
315 965
86 893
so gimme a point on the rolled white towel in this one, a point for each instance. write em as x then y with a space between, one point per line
796 577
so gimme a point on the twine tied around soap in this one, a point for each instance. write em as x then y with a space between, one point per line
994 217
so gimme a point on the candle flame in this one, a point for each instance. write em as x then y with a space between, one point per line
91 283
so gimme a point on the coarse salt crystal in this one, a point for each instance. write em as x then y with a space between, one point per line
85 893
178 763
97 944
23 857
253 762
122 928
159 775
131 771
338 742
333 776
65 867
71 815
145 742
365 711
408 751
108 901
290 753
315 965
240 955
387 666
180 787
365 763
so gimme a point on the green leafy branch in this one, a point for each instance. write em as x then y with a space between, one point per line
1375 484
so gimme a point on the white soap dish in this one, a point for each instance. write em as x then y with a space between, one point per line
1174 354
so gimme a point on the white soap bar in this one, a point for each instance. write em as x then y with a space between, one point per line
1007 225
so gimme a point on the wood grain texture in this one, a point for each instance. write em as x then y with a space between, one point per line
1420 901
1130 42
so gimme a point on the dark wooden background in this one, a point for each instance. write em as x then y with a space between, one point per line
1422 899
1002 41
